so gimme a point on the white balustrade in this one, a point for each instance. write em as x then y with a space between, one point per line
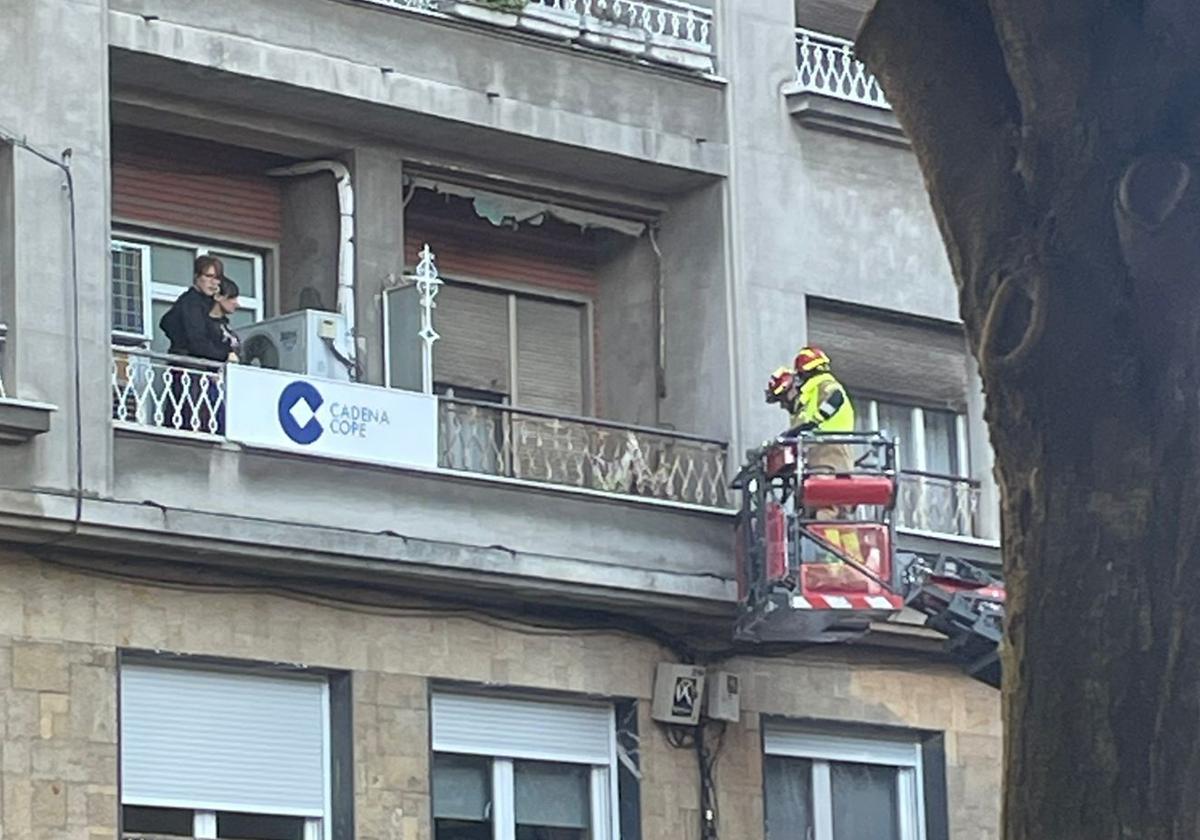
664 31
825 64
171 393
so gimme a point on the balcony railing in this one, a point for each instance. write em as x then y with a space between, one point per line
939 504
825 64
581 452
664 31
168 393
185 396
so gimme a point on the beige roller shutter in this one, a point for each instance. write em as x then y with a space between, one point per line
550 355
473 351
883 355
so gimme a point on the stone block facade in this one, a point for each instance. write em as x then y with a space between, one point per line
61 630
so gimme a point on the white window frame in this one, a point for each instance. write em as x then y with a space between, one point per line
603 787
823 750
962 453
204 822
143 250
167 292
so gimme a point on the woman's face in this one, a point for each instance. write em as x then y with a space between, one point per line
228 305
209 282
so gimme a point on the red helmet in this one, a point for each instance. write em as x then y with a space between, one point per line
779 383
810 359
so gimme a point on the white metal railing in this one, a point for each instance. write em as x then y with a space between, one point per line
420 5
3 340
667 18
178 394
667 31
826 64
581 452
940 504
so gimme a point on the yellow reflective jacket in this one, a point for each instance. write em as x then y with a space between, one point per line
815 391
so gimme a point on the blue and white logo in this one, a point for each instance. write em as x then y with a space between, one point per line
298 406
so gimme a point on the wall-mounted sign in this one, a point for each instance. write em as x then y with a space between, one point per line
332 419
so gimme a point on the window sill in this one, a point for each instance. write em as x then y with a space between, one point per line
23 420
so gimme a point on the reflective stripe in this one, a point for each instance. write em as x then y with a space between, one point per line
810 406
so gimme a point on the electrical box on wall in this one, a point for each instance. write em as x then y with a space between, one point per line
723 697
678 694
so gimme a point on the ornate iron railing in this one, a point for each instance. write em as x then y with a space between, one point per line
581 452
826 64
173 393
940 504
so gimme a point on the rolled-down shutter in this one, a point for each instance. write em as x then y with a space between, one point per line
473 351
550 355
915 361
218 741
519 728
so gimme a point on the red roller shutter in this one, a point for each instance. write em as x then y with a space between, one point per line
500 255
178 183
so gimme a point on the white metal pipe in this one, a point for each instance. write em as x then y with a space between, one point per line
345 280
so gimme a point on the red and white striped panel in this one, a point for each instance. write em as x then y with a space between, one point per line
889 603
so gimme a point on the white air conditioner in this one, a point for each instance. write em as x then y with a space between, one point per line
306 342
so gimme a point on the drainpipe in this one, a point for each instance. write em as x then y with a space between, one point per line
345 280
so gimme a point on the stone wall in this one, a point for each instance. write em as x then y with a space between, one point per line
60 630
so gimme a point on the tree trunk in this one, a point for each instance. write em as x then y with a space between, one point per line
1058 143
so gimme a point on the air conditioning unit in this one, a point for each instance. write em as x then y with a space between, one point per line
299 342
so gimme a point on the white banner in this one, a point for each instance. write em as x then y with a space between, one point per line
333 419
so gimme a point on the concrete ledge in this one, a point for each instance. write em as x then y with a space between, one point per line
841 117
670 134
22 420
985 553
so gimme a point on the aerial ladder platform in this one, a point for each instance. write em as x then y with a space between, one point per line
817 560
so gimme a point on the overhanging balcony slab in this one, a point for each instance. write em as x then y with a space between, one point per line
419 83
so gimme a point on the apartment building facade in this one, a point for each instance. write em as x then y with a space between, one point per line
636 209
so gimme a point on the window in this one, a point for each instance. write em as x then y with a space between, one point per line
224 753
931 440
149 273
518 769
821 787
527 351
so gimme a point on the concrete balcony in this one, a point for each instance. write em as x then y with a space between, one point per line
438 79
665 32
835 91
517 504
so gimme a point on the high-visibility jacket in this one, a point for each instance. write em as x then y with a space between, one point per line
824 405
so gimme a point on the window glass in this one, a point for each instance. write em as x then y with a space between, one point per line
896 420
240 270
941 442
168 821
866 802
127 290
259 827
552 800
789 811
462 797
158 341
172 265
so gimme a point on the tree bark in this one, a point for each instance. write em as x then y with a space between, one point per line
1058 140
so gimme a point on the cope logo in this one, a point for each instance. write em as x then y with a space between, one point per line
298 406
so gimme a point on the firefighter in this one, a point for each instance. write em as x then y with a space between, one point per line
816 402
